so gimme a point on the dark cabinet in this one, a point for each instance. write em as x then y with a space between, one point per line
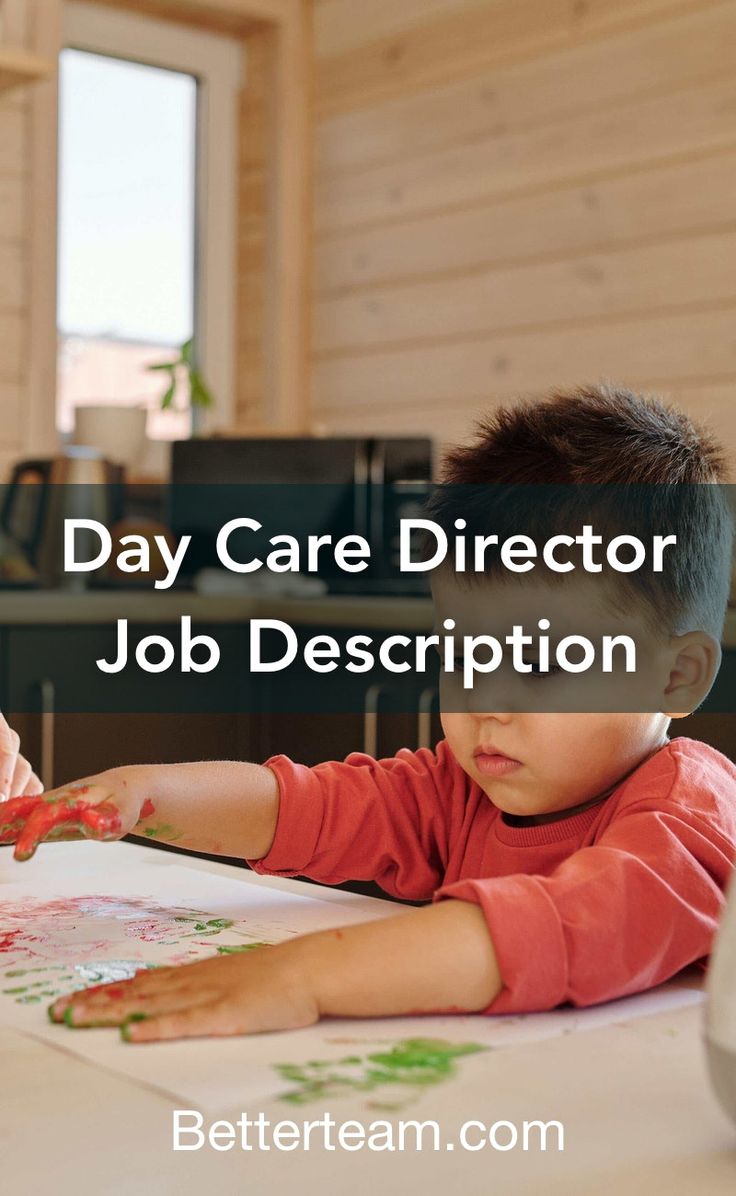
312 718
74 720
67 712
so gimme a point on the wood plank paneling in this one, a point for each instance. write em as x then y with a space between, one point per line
10 416
592 144
684 272
13 347
665 57
555 224
445 426
16 22
13 275
256 121
12 213
341 27
713 404
13 138
15 203
465 41
273 238
709 403
636 350
512 196
234 17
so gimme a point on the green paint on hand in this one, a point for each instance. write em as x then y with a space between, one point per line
238 948
164 831
408 1067
125 1028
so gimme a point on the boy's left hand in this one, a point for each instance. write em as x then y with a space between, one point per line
257 991
435 959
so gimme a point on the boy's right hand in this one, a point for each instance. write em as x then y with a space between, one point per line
93 809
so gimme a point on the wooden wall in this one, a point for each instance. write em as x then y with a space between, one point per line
15 132
518 194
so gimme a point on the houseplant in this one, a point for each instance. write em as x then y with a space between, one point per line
182 372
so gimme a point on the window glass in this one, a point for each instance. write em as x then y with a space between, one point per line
127 187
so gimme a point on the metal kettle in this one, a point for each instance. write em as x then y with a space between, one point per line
720 1021
80 485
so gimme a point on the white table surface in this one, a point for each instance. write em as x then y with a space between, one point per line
633 1096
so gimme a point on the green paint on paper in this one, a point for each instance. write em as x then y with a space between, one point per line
202 927
406 1069
52 967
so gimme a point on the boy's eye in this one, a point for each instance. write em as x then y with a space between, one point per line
538 672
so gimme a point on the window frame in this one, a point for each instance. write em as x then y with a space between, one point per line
217 63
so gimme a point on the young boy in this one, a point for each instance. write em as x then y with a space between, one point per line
570 857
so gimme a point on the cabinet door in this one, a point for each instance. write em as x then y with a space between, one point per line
312 718
74 720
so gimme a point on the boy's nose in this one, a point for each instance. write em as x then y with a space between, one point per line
483 699
485 716
478 707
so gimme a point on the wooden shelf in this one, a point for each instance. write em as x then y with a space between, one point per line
18 68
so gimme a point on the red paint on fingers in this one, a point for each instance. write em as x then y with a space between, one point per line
13 813
101 821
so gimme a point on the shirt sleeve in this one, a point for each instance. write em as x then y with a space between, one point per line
614 918
365 819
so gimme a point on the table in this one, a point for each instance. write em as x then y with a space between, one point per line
633 1097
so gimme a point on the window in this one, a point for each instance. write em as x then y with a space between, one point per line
146 211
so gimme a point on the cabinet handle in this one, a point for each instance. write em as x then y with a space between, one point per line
48 699
370 719
424 716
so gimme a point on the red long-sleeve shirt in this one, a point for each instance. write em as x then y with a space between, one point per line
609 901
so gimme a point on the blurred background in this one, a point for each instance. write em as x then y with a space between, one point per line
373 219
299 239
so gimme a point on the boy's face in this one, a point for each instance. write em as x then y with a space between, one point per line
529 762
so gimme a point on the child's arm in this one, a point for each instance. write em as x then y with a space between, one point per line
439 959
222 807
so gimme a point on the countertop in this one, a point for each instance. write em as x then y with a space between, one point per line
29 607
161 606
633 1096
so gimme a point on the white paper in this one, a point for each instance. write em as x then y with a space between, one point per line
59 933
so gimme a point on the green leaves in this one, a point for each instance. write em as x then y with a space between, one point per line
184 367
199 394
167 397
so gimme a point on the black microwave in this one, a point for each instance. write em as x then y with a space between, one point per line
304 486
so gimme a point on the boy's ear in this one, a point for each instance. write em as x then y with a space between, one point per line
695 659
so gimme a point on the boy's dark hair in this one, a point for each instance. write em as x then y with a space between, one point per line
621 461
